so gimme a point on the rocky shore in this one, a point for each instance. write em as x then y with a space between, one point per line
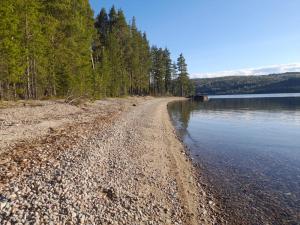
115 161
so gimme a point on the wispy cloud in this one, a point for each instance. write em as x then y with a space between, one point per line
283 68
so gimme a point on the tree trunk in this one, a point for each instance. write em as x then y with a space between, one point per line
15 91
53 82
54 89
1 91
8 95
181 90
32 79
130 83
93 63
35 80
28 84
28 60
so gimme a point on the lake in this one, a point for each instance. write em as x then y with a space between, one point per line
248 149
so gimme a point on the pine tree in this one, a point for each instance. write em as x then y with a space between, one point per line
81 45
156 71
55 48
113 16
174 77
101 25
135 59
127 53
168 70
123 33
161 71
32 36
70 34
100 57
145 65
10 50
183 75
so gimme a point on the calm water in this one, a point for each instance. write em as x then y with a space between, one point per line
248 148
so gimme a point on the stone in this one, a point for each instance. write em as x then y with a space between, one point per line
2 205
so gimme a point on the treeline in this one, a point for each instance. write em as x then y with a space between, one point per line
273 83
55 48
45 48
167 78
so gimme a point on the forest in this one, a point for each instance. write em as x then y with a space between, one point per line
273 83
57 48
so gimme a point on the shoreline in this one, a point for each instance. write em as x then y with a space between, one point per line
112 161
213 203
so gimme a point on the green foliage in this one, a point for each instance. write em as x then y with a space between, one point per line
274 83
45 47
55 48
121 54
186 88
10 50
168 78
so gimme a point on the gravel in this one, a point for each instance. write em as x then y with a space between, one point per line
115 166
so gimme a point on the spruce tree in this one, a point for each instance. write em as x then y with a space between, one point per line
134 58
112 17
31 29
183 77
10 50
55 48
174 82
182 74
145 64
168 70
101 25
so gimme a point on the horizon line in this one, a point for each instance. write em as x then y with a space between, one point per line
266 70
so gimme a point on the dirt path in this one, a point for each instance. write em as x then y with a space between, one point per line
122 167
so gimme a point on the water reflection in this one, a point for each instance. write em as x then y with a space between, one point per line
250 150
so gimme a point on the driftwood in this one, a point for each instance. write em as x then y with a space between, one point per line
71 100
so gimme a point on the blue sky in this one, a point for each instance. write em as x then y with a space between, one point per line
221 37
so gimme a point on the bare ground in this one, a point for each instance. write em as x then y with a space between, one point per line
106 162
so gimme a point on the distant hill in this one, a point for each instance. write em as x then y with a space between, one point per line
273 83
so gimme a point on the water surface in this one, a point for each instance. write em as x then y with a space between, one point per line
249 149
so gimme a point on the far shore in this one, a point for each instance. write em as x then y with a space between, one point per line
113 161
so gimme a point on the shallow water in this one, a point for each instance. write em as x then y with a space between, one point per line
248 148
